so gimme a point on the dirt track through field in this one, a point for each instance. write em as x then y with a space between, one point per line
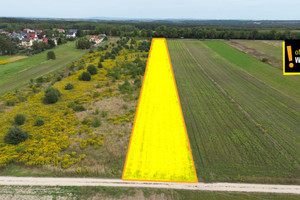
224 187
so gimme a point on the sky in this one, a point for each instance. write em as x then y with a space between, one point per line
154 9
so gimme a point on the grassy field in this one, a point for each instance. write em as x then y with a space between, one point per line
260 49
108 193
272 48
242 115
5 57
16 74
287 85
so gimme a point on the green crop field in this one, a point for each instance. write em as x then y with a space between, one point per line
242 115
16 74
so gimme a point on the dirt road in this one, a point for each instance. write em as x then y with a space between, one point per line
228 187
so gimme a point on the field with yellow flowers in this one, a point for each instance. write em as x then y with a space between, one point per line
68 123
159 147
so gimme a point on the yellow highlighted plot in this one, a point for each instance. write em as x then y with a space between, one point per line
159 148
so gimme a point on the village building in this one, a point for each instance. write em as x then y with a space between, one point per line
27 42
71 35
61 30
27 30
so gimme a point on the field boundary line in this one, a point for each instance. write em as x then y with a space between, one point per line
220 187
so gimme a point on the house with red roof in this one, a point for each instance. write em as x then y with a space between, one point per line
27 30
61 30
32 36
95 39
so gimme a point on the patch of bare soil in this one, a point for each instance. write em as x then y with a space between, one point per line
271 60
16 58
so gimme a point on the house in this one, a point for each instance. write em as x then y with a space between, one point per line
94 38
73 30
102 35
71 35
32 35
20 36
61 30
54 40
38 31
27 42
27 30
4 32
45 40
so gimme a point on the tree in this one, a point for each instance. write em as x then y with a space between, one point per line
39 122
161 31
69 86
174 33
79 33
100 65
51 43
15 135
20 119
52 95
7 46
83 43
85 76
92 69
51 55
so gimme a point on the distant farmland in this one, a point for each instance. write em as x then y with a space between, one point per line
16 74
242 115
271 50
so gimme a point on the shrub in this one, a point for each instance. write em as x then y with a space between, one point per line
102 59
125 87
83 43
20 119
100 65
96 112
39 122
69 86
52 95
96 94
79 108
92 69
96 122
15 135
104 113
51 55
85 76
40 79
98 85
10 103
125 107
265 60
138 83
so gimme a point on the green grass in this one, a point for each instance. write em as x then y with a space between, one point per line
288 85
16 74
222 105
37 192
4 57
271 48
